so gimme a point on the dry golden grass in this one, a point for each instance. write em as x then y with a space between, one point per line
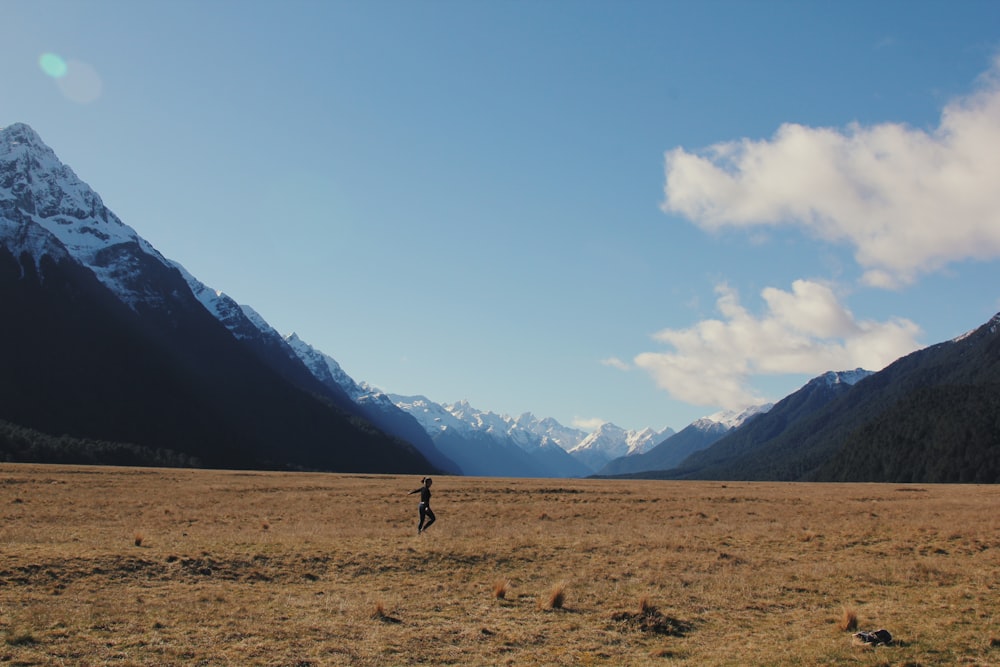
848 620
237 568
555 599
500 588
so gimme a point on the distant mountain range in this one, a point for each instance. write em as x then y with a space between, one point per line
484 443
670 452
111 353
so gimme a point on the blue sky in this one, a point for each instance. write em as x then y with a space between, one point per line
637 212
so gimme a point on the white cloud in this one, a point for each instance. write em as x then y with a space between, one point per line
805 331
615 362
907 200
589 424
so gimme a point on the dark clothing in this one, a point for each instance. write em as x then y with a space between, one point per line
426 513
425 494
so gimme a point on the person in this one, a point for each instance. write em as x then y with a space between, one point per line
426 513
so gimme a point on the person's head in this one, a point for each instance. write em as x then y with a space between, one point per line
427 481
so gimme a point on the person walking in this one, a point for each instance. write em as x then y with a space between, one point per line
426 513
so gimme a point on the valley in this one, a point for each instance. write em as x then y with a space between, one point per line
137 566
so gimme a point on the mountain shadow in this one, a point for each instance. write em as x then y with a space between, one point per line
79 361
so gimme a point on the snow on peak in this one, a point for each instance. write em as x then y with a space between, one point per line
432 417
992 326
38 190
734 418
488 422
324 367
612 441
564 436
831 378
21 135
525 431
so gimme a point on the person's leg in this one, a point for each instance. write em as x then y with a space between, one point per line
430 518
423 514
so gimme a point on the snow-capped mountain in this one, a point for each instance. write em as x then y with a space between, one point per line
477 439
844 377
488 444
374 404
610 442
670 450
564 436
37 188
730 419
110 341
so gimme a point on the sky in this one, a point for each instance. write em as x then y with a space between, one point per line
636 212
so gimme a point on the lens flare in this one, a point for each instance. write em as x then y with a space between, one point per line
82 84
52 65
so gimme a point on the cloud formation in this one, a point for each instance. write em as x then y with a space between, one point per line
806 330
908 201
615 362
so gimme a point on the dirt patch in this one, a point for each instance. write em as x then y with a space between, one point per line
650 620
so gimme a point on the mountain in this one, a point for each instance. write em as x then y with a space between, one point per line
564 436
610 442
314 371
253 332
928 417
375 405
105 340
670 452
733 455
492 445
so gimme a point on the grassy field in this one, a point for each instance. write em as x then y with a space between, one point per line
128 566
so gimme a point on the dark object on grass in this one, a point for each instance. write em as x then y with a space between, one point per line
876 638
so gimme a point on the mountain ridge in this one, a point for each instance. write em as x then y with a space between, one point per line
144 362
928 417
671 451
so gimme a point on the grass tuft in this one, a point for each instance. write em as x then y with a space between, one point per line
380 613
500 588
848 620
138 539
556 597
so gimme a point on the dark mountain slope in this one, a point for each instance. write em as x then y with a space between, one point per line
737 448
76 360
915 442
104 340
924 418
